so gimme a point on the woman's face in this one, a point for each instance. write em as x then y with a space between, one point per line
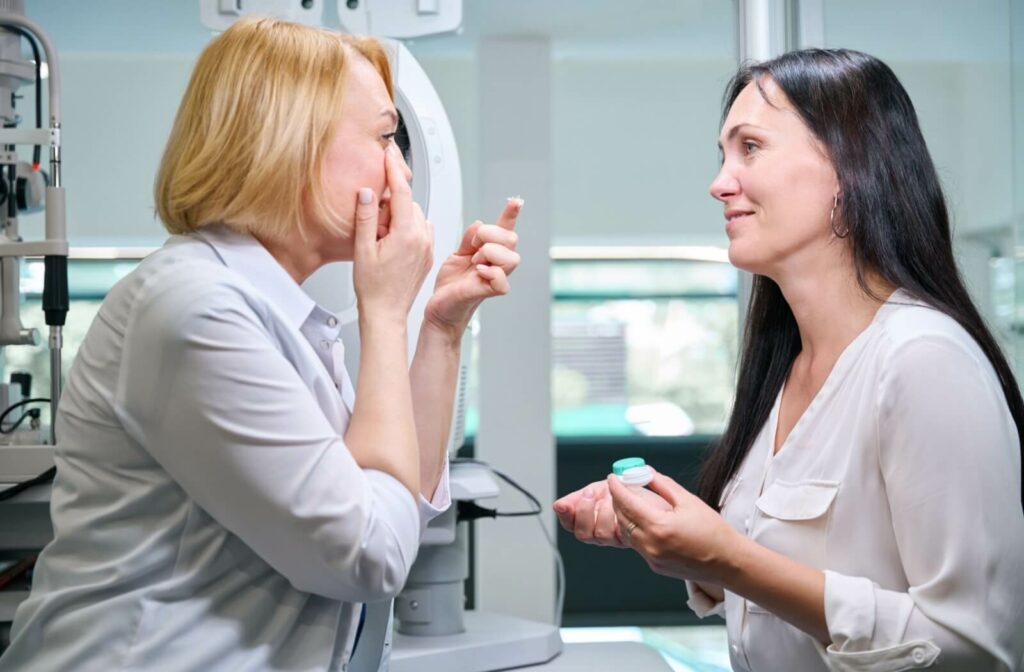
355 155
776 183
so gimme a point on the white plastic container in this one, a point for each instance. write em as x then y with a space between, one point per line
633 471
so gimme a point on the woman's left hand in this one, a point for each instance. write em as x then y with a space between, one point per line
689 541
479 269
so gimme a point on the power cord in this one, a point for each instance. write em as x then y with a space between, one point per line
472 511
33 413
23 402
46 476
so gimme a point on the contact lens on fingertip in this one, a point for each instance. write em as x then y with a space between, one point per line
633 471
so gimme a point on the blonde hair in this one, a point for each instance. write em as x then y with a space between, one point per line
247 145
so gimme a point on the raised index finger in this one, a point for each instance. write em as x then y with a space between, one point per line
510 214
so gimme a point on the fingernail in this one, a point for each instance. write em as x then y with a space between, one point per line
366 195
475 242
588 494
519 202
481 267
475 259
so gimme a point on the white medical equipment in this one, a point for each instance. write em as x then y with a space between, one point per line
22 186
434 631
26 455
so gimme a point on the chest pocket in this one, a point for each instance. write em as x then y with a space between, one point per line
793 519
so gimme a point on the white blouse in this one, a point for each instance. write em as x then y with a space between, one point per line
902 481
207 514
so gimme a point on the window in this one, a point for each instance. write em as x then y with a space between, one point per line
641 345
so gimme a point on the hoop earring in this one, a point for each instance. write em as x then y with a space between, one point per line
832 219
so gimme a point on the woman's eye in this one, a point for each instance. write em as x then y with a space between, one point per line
749 147
388 137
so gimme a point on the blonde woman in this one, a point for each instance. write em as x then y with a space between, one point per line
224 499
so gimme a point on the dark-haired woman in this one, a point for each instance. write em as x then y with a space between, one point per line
863 509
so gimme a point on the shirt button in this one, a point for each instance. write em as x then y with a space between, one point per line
332 321
746 523
326 345
918 655
735 649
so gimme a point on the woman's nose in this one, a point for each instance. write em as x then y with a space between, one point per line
725 185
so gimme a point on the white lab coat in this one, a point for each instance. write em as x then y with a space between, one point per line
207 514
902 481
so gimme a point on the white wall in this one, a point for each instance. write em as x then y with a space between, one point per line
635 150
117 114
125 65
633 146
515 345
634 104
954 58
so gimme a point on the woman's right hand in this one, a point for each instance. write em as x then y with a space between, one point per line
388 271
587 513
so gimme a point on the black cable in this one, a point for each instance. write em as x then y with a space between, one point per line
36 151
17 423
466 511
31 413
472 511
44 477
475 511
23 402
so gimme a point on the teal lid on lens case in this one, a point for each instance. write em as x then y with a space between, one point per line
633 471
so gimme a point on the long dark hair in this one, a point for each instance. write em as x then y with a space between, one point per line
893 213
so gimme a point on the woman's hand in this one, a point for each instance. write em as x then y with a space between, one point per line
588 514
689 540
389 271
477 270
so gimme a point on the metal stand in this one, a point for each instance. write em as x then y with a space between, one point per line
434 631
